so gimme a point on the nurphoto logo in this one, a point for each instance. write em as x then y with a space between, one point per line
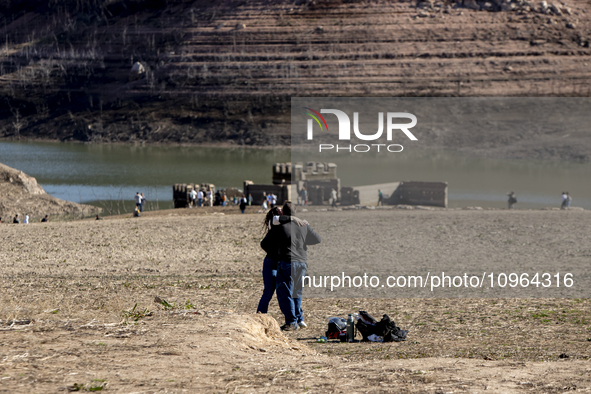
345 130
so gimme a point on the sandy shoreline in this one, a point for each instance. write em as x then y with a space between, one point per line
68 288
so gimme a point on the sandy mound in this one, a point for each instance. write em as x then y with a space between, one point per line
20 194
260 332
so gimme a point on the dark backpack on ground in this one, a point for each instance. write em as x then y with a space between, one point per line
386 328
366 325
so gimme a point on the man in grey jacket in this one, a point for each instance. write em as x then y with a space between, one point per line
291 242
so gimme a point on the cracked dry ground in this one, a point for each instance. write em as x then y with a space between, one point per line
78 312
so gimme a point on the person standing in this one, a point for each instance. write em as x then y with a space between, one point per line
26 219
333 197
292 242
142 202
243 203
138 200
512 200
568 199
269 264
264 202
304 196
210 197
200 198
249 199
380 198
270 201
273 199
193 197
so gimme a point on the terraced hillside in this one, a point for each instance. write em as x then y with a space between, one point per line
224 71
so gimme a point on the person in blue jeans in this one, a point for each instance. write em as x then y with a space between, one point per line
290 276
292 240
269 265
269 282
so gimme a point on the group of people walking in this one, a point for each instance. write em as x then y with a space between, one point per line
565 200
269 201
201 197
17 220
286 243
204 198
303 197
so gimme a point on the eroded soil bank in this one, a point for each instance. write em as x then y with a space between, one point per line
21 195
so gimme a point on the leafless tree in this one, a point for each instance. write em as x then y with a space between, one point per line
18 123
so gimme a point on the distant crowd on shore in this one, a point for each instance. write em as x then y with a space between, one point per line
17 220
269 201
204 198
565 198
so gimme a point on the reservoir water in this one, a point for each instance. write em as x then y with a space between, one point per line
101 174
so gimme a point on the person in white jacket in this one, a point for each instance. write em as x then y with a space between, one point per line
193 197
138 200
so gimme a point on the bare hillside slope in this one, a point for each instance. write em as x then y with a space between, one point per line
224 71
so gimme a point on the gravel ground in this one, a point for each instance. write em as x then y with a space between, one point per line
77 308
